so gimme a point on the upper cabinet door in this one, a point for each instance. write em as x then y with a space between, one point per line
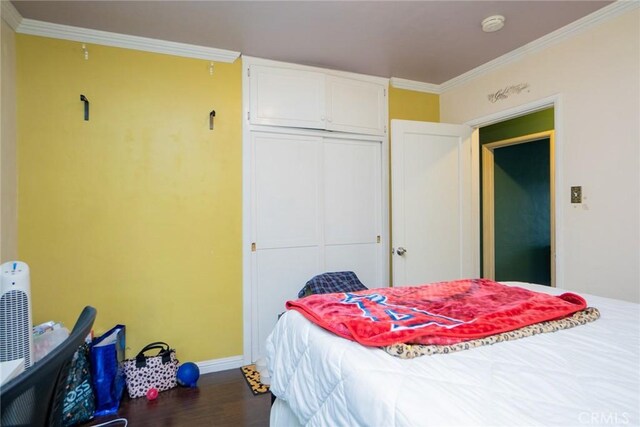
287 97
356 106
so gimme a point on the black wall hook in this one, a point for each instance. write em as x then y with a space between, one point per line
212 114
86 106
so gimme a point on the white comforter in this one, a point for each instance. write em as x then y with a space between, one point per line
588 375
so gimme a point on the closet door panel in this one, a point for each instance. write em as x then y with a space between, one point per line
352 208
280 274
356 106
352 191
286 226
286 196
287 97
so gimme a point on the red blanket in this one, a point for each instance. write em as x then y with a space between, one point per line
441 313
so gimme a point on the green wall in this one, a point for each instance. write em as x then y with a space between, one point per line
522 213
539 121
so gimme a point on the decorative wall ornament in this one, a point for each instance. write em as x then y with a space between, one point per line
505 92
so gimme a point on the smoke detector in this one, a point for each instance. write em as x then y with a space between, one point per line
493 23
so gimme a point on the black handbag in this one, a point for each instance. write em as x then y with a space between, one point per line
146 372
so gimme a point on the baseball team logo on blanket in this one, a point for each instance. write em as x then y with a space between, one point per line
440 313
376 307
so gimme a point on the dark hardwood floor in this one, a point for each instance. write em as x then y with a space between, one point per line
221 399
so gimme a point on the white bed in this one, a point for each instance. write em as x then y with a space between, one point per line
588 375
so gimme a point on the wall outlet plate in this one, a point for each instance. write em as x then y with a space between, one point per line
576 194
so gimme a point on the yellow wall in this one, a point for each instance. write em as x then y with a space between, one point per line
8 172
137 211
410 105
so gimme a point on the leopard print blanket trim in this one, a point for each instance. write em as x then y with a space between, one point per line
409 351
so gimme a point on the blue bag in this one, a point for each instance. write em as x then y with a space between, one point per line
107 357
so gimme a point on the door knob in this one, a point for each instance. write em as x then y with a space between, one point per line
401 251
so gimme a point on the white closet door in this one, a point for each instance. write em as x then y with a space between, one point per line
316 206
287 97
286 226
353 208
356 106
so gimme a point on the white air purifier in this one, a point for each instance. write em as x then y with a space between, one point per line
16 326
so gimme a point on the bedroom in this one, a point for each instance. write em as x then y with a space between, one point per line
130 221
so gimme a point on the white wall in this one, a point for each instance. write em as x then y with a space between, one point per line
8 161
596 74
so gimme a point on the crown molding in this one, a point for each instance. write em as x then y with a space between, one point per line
10 15
415 86
85 35
608 12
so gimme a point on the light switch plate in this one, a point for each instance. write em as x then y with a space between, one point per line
576 194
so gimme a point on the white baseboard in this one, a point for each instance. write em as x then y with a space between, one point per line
217 365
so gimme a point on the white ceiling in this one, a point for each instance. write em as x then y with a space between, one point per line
426 41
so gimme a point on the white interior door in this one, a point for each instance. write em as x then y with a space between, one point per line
431 202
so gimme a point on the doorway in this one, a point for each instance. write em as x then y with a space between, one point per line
517 203
518 209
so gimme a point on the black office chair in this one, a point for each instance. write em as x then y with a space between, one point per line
35 397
